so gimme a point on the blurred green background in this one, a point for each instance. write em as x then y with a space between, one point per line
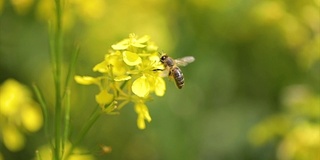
255 60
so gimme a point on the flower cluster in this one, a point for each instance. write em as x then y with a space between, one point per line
129 73
18 113
296 128
85 11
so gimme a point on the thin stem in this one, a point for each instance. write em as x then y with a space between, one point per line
57 72
44 109
93 118
66 120
86 127
71 69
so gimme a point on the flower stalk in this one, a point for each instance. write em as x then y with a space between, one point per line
85 129
57 54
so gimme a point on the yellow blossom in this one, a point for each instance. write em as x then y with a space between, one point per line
141 87
12 138
160 86
131 41
143 114
104 97
86 80
122 78
131 59
130 73
19 112
30 115
297 128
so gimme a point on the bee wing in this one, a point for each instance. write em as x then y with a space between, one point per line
184 60
164 73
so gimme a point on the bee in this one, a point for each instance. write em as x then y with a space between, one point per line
172 68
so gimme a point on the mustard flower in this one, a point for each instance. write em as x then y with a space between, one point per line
18 112
129 73
296 128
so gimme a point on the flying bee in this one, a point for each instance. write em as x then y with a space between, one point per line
175 72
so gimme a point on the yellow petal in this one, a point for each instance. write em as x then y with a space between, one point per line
104 97
154 58
122 78
140 122
116 63
160 86
101 67
152 47
146 115
12 138
143 39
138 45
139 42
86 80
121 45
31 117
12 95
131 59
142 109
143 114
141 86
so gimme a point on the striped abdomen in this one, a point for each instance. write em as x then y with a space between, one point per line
177 74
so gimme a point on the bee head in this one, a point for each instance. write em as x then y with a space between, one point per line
163 58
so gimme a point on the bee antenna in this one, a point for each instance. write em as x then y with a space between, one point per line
161 52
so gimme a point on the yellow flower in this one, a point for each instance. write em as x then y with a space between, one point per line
130 73
146 84
104 97
159 86
20 113
131 41
296 128
143 114
112 64
131 59
29 115
13 139
86 80
141 86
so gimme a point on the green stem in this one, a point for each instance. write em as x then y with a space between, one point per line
86 127
93 118
70 70
57 54
66 120
44 108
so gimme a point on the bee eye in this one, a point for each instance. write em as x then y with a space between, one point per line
163 58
